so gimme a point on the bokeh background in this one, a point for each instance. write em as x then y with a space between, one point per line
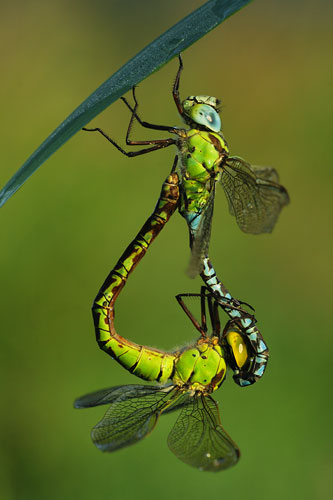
65 229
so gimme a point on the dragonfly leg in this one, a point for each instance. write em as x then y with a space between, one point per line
174 165
205 295
202 329
158 144
217 318
216 323
203 308
171 129
211 311
175 90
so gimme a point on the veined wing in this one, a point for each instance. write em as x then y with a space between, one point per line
124 392
254 195
199 439
183 399
132 415
201 232
110 395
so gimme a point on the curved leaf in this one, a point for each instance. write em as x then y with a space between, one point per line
150 59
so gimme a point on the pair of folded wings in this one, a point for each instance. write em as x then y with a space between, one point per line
254 196
197 437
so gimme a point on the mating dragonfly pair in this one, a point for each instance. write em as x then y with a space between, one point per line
187 377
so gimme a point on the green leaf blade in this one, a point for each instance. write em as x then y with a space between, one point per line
150 59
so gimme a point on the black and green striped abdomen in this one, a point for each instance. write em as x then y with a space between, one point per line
145 362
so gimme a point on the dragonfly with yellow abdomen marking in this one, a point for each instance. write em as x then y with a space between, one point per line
187 379
187 376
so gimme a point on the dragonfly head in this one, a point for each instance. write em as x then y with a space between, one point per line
202 110
247 363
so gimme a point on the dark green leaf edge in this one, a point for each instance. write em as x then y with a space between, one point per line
150 59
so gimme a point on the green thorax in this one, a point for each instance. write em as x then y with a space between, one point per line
201 367
202 154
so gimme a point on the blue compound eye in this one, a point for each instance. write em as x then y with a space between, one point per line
203 114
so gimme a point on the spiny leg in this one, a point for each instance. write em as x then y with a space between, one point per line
129 142
217 319
159 143
202 329
171 129
210 309
203 308
174 165
175 90
205 295
213 306
227 303
175 93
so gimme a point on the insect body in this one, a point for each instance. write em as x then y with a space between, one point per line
201 153
103 311
187 377
197 437
254 195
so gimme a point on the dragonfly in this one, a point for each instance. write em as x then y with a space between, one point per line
242 320
187 377
194 373
254 194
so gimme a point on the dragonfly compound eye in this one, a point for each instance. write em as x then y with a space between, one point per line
203 114
238 346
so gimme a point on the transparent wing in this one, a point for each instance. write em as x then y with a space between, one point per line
201 237
181 400
106 396
199 439
254 195
132 415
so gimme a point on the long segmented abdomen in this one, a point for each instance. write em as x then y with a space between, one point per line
144 362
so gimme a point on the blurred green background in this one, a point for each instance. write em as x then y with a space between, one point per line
65 229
